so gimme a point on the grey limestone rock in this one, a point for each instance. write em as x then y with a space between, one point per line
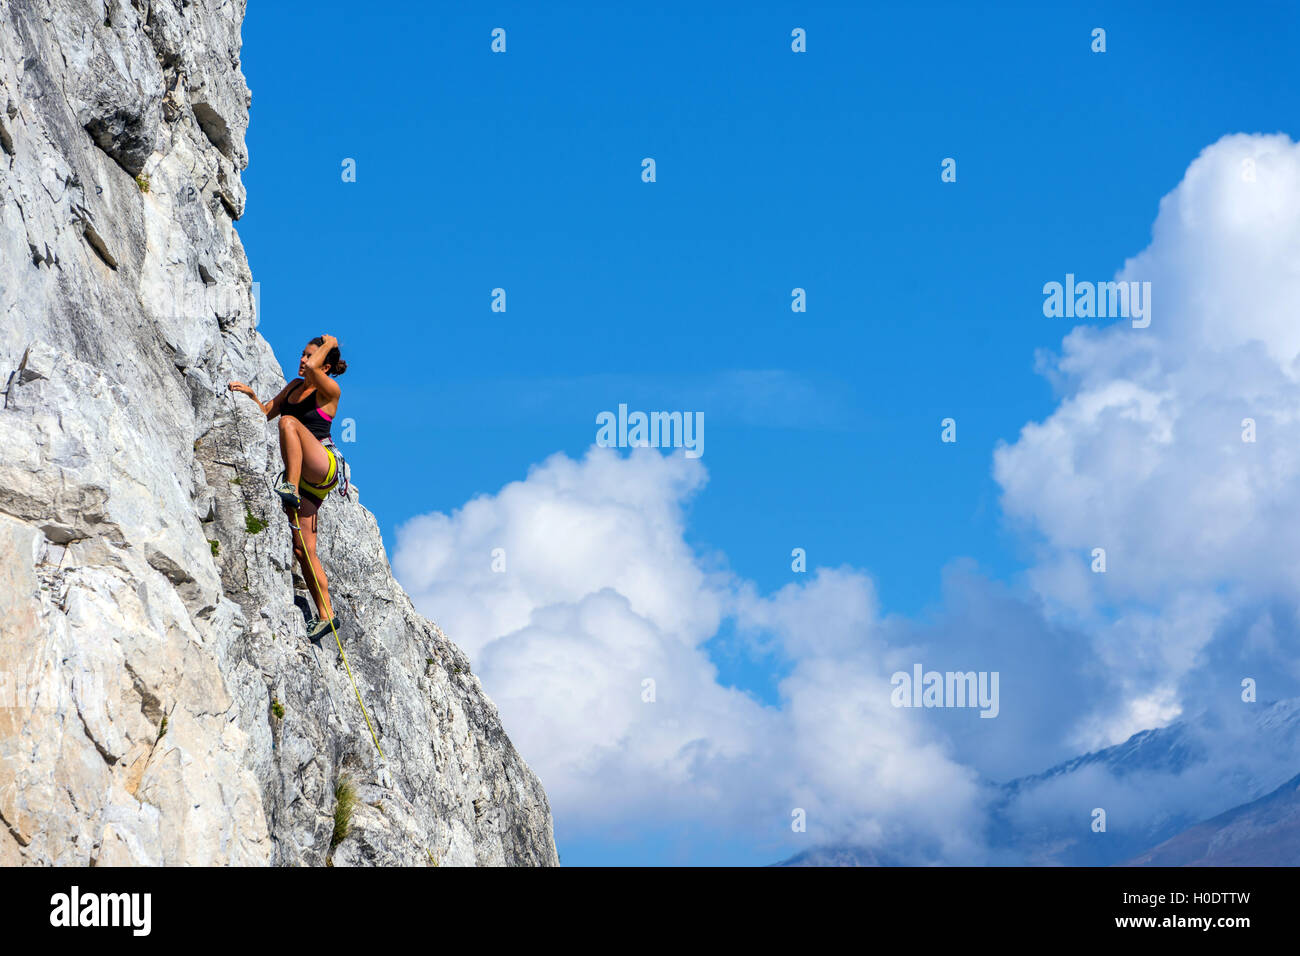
159 702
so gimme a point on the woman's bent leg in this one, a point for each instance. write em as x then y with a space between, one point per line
303 454
291 449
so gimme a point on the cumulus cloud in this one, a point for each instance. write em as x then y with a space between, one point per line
600 593
868 773
1144 455
569 530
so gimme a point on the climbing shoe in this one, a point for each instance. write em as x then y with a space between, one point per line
318 629
288 493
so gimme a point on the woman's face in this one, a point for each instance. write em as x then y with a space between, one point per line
308 351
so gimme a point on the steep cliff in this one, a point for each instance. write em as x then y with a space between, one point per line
159 703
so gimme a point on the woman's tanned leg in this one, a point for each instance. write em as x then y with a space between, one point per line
304 549
302 452
305 458
290 449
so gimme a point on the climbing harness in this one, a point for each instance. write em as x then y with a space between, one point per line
342 470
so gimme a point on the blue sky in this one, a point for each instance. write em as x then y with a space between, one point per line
774 171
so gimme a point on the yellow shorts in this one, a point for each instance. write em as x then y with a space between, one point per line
325 487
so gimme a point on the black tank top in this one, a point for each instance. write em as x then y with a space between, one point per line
317 421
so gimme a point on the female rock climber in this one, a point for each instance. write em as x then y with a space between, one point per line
306 407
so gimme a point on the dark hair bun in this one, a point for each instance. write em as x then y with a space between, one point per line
334 360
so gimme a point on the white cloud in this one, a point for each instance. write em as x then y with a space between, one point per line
1144 454
569 530
866 771
601 592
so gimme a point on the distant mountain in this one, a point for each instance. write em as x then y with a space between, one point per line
835 856
1169 749
1265 832
1152 787
1156 787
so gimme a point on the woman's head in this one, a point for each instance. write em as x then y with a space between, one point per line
334 363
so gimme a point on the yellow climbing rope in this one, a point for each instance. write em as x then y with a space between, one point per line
297 526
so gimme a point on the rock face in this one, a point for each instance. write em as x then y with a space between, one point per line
159 702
